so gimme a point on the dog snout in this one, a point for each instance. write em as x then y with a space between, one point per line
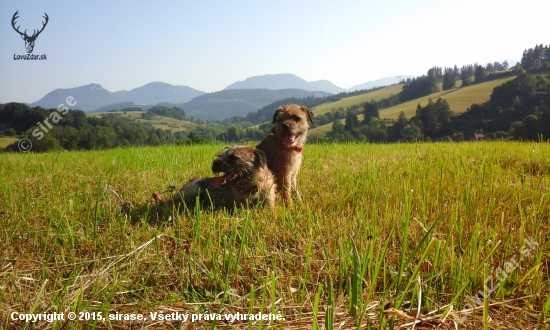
218 166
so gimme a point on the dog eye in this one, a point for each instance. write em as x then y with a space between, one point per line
296 118
232 157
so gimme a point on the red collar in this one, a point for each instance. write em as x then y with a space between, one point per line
297 149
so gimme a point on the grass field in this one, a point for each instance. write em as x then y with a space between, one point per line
386 236
358 99
459 99
164 123
6 141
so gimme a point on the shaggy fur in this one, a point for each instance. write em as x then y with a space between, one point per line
246 180
283 146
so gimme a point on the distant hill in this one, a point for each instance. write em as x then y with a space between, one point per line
380 82
239 102
157 92
88 98
254 93
93 96
285 81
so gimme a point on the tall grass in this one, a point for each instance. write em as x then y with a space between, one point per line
381 230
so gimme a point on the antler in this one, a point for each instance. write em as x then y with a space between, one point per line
43 26
13 24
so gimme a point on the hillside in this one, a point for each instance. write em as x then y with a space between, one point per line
358 99
388 81
164 123
88 98
459 99
238 102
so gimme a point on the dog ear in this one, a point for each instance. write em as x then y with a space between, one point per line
308 113
261 157
279 109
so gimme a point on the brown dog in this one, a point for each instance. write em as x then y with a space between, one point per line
283 146
246 182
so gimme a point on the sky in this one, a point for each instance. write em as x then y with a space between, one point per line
208 45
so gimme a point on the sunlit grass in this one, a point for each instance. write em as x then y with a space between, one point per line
459 99
358 99
381 230
6 141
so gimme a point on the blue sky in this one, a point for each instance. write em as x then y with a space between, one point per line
207 45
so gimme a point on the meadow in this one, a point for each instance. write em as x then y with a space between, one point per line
459 99
386 236
164 123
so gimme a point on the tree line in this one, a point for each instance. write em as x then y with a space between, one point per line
519 109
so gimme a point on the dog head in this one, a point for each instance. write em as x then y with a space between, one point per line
237 164
290 124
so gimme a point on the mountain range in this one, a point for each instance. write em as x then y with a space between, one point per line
237 99
287 80
94 96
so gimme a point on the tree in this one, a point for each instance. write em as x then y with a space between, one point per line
351 121
465 78
375 131
480 74
517 130
234 134
418 87
448 80
505 65
532 129
370 110
338 127
395 130
411 133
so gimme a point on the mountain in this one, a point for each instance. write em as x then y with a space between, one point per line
87 98
239 102
157 92
285 81
388 81
93 96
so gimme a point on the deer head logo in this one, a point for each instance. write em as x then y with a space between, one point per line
29 40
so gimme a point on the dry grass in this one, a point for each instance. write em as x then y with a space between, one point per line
382 230
358 99
6 141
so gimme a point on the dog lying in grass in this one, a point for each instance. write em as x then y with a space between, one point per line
246 181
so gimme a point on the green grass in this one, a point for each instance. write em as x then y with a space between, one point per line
382 229
459 99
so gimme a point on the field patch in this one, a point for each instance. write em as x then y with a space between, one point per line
381 229
164 123
6 141
459 99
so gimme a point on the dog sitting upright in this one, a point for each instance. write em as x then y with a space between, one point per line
283 146
246 181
